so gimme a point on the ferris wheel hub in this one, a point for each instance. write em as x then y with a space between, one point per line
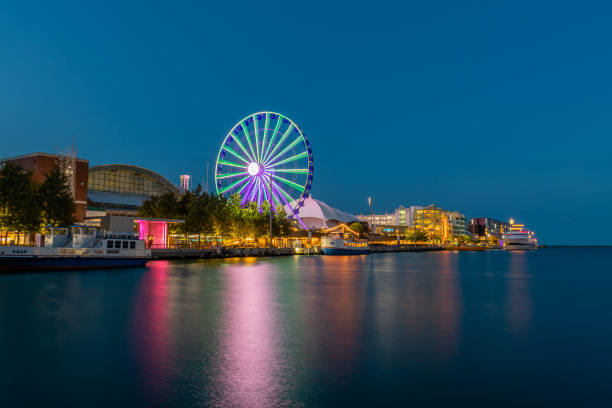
253 169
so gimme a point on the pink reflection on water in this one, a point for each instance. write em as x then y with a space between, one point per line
249 372
447 303
519 301
150 331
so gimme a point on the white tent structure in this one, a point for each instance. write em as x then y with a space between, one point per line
316 214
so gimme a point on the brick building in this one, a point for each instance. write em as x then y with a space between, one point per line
76 170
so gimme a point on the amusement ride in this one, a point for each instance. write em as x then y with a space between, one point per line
266 157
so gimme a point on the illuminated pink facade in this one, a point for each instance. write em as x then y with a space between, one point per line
153 232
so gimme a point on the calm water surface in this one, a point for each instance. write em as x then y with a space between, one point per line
425 329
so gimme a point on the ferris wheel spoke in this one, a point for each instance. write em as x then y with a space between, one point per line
289 183
247 192
265 134
289 159
276 129
285 150
246 134
254 189
275 198
233 185
282 193
280 142
237 139
230 150
229 163
296 171
247 188
265 193
269 188
244 186
256 138
230 175
260 191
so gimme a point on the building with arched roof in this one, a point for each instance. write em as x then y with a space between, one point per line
121 188
316 214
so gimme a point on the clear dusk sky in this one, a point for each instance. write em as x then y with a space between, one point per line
495 109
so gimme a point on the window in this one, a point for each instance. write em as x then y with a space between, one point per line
117 244
109 244
125 244
132 245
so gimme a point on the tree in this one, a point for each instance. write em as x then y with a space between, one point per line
160 206
20 209
281 226
417 235
464 239
222 221
240 227
56 200
359 228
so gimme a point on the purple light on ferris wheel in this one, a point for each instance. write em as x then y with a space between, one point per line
264 146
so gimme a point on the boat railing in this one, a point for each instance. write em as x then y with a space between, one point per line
118 235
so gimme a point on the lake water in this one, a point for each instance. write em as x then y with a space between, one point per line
422 329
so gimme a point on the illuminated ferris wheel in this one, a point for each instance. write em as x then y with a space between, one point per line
265 157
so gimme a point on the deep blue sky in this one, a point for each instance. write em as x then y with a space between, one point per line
495 109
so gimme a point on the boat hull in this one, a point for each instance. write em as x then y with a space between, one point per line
342 251
8 264
519 247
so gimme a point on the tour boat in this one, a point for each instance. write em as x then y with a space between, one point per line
341 241
338 245
519 238
77 247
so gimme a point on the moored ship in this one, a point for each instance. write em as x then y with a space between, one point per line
519 238
77 247
343 241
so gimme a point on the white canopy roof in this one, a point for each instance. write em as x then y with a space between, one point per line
316 214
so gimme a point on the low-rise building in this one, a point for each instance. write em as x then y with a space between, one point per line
487 227
75 170
434 221
402 216
458 224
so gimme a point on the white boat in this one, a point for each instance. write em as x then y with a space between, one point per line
77 247
341 241
519 238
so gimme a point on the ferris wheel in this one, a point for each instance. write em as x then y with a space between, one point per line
265 157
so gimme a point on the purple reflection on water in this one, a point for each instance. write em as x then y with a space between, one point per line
150 331
250 367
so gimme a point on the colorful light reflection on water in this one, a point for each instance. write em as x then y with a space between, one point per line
390 329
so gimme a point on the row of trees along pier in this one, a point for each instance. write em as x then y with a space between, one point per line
27 206
210 215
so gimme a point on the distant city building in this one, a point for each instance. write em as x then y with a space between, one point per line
484 227
75 170
378 219
121 188
402 216
458 224
434 221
